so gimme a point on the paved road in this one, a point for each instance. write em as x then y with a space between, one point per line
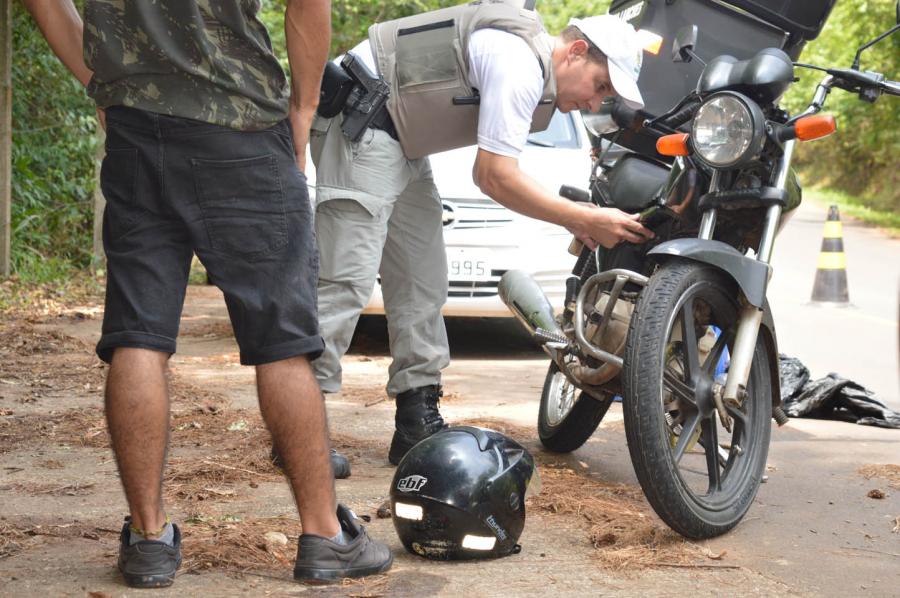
812 526
857 342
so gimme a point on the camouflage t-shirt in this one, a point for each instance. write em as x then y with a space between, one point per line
208 60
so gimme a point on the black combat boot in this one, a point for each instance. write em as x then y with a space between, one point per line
417 418
340 465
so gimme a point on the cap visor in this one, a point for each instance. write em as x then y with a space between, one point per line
625 87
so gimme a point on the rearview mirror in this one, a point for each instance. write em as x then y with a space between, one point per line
887 33
683 46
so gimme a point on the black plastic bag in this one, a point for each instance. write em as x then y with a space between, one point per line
794 376
831 397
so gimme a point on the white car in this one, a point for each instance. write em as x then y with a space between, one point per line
484 239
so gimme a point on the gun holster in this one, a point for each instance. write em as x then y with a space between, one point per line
336 88
353 89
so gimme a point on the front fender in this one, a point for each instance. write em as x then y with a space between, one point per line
752 276
770 342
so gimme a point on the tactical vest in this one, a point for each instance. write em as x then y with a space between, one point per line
424 58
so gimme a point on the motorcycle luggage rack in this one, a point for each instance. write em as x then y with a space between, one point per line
621 278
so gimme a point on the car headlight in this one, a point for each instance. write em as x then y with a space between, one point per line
728 130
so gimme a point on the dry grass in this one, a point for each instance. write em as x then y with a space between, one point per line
239 455
365 395
38 363
887 471
620 523
358 446
78 296
207 329
187 395
37 489
23 339
14 537
239 546
75 427
520 434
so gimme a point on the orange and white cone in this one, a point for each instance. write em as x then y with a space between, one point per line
830 285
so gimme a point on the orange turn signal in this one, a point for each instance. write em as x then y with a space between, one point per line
673 145
813 127
650 42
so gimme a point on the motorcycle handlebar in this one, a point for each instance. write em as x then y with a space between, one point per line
575 194
682 116
891 87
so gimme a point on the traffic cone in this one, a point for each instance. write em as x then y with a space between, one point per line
830 285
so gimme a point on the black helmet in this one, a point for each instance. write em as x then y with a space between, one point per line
460 494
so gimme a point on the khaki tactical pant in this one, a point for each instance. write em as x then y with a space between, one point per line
379 213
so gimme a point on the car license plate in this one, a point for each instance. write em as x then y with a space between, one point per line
467 264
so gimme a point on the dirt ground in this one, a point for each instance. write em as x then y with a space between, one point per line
826 523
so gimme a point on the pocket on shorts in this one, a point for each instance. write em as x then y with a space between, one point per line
242 202
118 181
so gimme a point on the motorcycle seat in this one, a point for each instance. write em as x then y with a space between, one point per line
764 77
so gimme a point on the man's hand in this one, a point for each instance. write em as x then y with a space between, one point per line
501 179
608 227
300 123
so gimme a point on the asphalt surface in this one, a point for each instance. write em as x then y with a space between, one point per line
860 341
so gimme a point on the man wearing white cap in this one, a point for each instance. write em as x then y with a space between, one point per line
377 207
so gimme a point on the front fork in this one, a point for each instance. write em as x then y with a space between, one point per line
751 316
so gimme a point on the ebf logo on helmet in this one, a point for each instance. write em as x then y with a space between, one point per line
411 483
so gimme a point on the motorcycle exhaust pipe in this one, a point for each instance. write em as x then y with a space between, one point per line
528 303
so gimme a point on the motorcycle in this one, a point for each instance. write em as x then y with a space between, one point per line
680 326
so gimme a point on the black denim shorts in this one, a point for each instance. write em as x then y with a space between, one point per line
175 187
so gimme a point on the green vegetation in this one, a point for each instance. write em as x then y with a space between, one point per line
55 135
849 205
861 158
53 156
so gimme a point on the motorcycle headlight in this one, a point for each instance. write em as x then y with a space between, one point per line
728 130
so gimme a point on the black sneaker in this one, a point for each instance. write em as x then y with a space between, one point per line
416 419
340 465
148 563
320 559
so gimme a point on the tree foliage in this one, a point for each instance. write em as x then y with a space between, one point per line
861 158
53 156
54 131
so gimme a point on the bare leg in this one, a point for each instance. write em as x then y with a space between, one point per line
137 413
292 406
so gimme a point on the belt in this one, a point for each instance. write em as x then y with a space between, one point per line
384 122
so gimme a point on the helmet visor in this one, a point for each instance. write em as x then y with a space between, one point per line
533 488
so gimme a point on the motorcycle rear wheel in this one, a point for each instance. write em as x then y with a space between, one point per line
671 423
567 416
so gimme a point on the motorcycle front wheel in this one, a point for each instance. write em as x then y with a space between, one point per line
699 477
567 416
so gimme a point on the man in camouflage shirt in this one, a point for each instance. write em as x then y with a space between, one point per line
205 154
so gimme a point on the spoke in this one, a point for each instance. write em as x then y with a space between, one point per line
678 387
738 415
689 341
712 361
687 431
710 446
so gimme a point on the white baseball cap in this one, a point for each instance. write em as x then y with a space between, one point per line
624 52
